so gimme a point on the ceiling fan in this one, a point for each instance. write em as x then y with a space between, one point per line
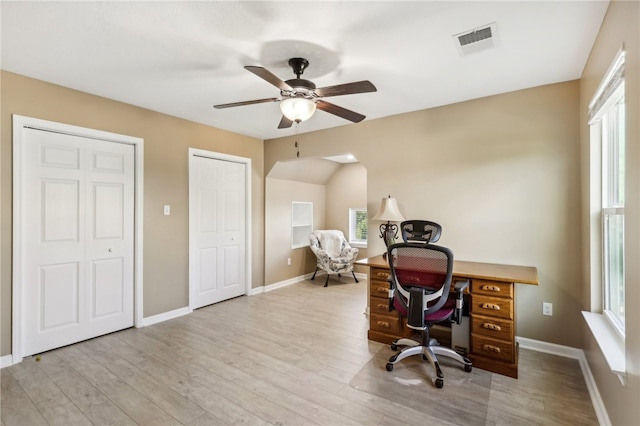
299 98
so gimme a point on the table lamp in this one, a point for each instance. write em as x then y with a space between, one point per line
388 212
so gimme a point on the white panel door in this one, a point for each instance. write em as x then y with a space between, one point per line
217 196
78 239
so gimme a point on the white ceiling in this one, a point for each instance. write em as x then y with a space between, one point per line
181 58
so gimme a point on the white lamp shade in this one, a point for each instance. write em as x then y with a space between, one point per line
388 211
298 109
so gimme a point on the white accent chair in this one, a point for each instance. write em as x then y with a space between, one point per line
333 252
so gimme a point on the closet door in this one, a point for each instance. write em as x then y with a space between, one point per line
78 239
217 191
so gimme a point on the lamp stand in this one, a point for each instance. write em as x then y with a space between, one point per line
388 233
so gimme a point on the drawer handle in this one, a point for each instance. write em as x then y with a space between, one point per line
491 306
383 305
383 275
382 290
487 287
491 348
490 326
383 324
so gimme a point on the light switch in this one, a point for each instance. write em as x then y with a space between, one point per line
167 209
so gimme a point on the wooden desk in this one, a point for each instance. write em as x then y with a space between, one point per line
491 311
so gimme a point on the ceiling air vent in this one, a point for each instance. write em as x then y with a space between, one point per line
476 40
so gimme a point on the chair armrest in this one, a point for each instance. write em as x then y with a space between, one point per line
318 251
392 293
350 253
459 287
322 257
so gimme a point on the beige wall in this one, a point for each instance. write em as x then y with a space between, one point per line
166 140
501 174
347 189
620 26
278 198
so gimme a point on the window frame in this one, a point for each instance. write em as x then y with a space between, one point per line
607 335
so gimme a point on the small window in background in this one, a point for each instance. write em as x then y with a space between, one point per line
358 227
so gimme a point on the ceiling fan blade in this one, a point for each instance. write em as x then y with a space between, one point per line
346 89
285 123
339 111
255 101
268 76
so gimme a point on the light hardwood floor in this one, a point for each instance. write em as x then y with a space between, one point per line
294 356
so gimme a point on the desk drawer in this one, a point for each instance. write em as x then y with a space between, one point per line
380 275
496 328
492 288
492 348
380 289
379 306
389 324
492 306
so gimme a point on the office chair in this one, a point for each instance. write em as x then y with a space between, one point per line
421 276
420 231
333 253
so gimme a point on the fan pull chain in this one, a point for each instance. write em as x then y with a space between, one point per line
296 144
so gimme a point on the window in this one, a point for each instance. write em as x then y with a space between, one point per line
358 227
612 127
607 123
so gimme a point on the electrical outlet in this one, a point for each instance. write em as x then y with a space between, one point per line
167 210
289 261
547 308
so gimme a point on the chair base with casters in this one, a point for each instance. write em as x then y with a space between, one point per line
429 351
326 283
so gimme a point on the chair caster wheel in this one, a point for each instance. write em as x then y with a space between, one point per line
394 347
439 383
467 368
389 366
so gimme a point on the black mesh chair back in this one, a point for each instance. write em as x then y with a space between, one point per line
422 276
420 231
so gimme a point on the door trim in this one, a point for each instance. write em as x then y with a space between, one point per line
193 152
19 124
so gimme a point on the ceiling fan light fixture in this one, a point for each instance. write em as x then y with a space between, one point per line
298 109
299 98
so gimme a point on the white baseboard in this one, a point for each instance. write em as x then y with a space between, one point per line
575 353
6 361
290 281
549 348
275 286
165 316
